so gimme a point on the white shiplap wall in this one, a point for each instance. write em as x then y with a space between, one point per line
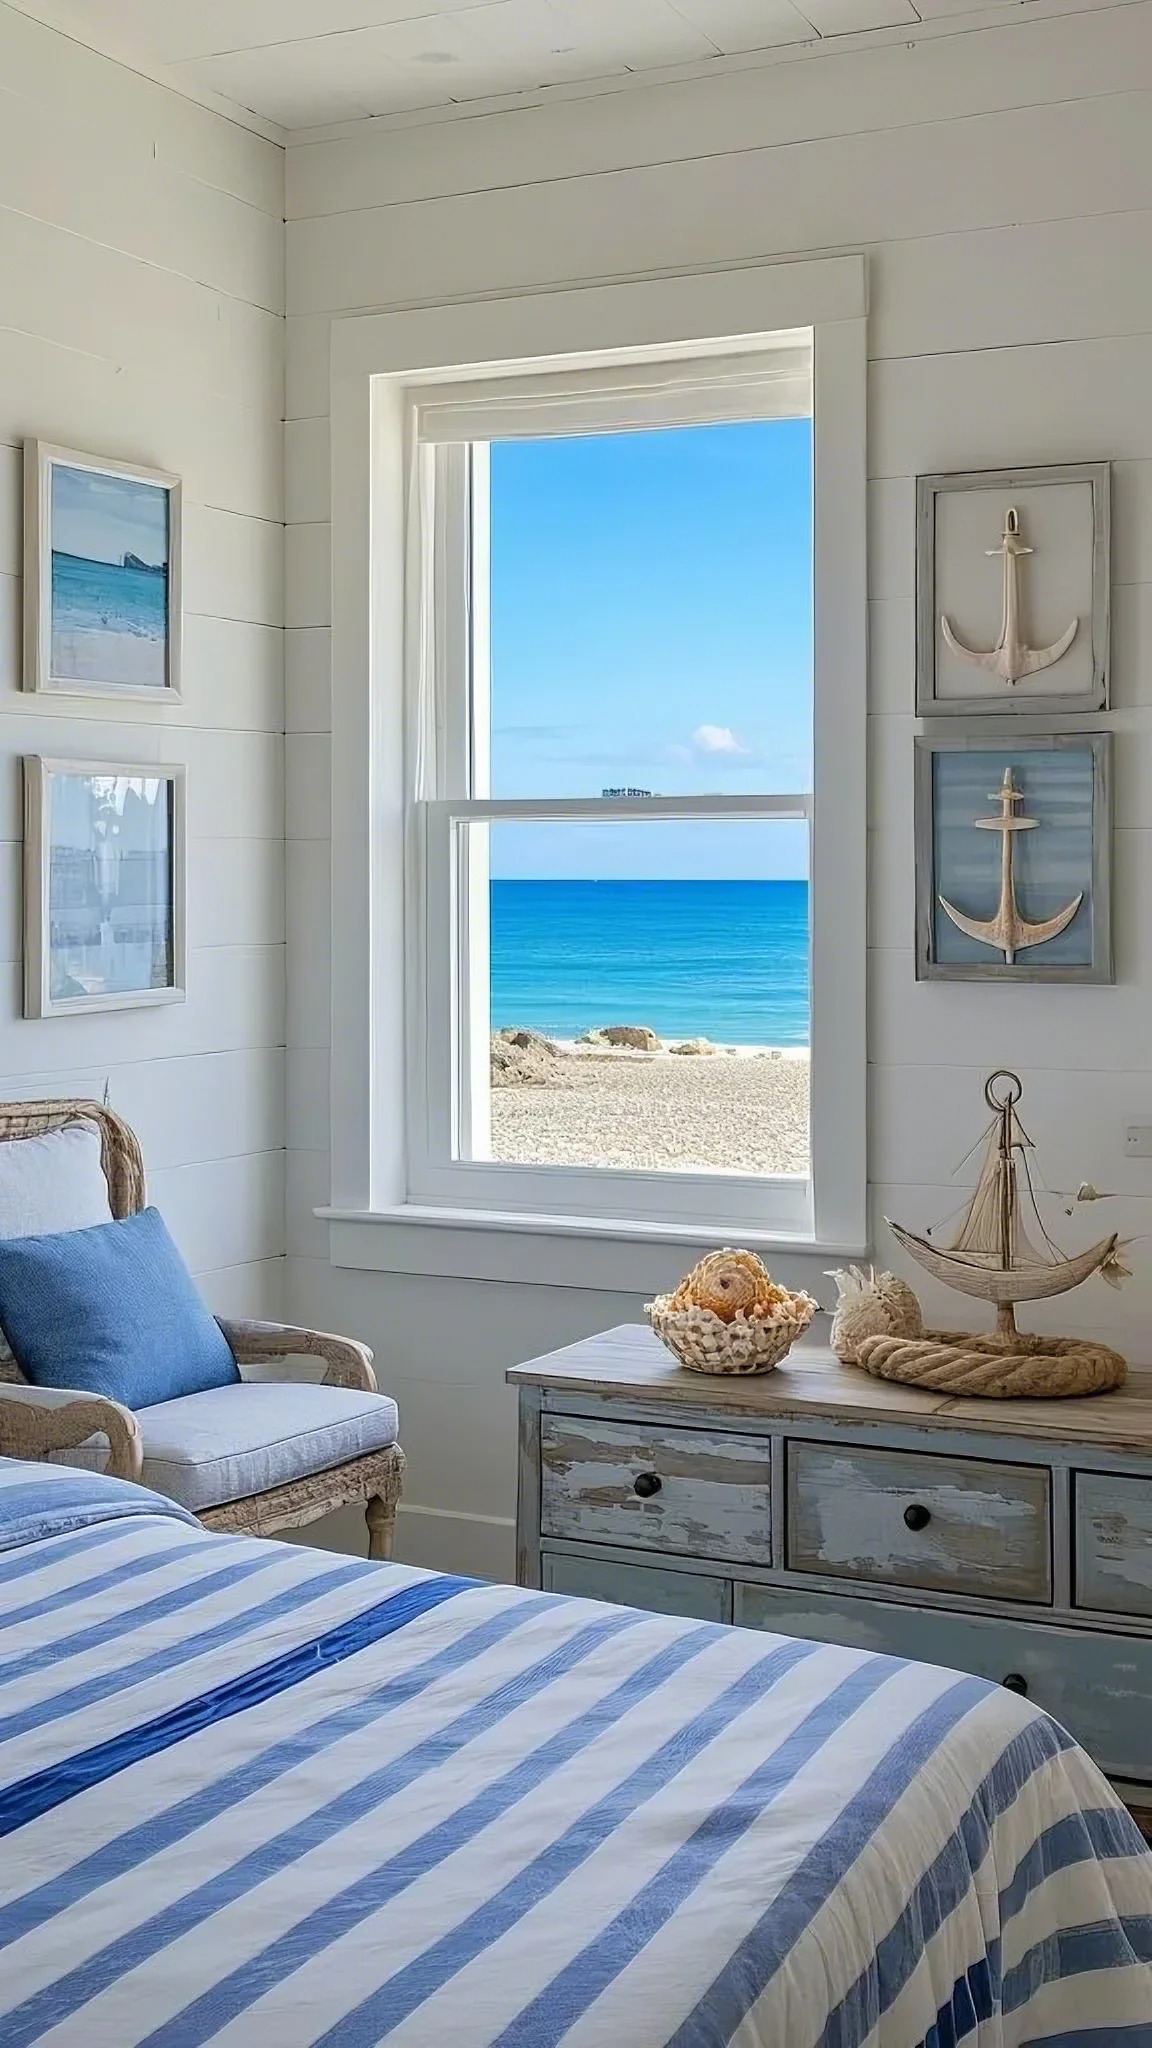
1002 185
141 316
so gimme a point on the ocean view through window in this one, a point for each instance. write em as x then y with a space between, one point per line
647 615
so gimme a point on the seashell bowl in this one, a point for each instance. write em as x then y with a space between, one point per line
706 1342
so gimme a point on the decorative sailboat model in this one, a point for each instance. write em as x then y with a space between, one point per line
1002 1252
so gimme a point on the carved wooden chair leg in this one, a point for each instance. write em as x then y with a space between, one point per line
380 1516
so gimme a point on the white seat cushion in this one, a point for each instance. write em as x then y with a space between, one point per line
224 1445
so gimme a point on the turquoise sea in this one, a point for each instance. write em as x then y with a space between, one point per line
108 597
721 960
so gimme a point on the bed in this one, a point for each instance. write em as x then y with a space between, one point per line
265 1796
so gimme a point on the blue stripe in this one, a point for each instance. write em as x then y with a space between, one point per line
1139 2035
203 2018
33 1510
127 1620
124 1676
42 1557
411 1986
160 1831
1076 1951
943 1886
570 1994
1096 1835
764 1949
29 1798
972 2002
131 1569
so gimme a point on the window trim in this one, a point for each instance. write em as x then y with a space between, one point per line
379 364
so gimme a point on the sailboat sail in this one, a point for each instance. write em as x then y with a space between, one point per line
992 1229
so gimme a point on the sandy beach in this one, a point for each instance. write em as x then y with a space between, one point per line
83 654
741 1111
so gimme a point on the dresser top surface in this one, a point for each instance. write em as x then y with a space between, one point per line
631 1361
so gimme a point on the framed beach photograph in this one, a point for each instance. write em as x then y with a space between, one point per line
102 602
104 886
1013 857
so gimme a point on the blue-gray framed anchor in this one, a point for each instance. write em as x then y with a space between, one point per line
1011 659
1008 932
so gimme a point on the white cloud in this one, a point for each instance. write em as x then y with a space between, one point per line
716 739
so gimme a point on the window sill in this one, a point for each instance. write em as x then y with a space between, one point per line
608 1255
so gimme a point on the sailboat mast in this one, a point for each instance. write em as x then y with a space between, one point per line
1007 1188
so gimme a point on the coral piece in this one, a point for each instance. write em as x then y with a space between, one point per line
871 1305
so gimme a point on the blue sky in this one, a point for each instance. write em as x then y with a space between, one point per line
652 625
105 518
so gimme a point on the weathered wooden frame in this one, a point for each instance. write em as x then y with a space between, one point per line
40 458
1097 697
38 998
1100 969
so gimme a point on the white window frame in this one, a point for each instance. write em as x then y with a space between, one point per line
389 1207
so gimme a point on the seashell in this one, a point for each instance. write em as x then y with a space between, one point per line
729 1283
871 1305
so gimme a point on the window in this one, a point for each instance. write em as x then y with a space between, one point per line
612 740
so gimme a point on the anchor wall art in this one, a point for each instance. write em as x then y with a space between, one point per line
1013 857
1012 587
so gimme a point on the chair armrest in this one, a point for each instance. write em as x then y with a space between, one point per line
37 1420
349 1364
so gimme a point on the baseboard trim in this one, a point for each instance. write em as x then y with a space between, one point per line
412 1507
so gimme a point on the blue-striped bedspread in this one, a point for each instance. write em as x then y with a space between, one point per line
267 1797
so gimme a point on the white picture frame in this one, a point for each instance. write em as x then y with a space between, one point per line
82 952
103 602
1060 519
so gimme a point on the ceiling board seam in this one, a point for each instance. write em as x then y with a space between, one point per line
817 48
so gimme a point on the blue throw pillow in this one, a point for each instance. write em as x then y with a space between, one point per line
111 1310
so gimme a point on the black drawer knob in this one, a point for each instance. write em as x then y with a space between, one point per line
1015 1682
917 1516
646 1484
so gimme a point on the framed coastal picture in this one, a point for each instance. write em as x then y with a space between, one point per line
104 886
102 604
1013 857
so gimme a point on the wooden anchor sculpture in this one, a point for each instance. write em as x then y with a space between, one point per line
1008 931
1011 658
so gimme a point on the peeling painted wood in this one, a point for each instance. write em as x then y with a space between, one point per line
712 1500
1097 1685
641 1585
985 1528
1114 1543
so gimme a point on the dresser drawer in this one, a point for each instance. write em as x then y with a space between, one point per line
953 1525
1096 1685
695 1595
1114 1543
692 1491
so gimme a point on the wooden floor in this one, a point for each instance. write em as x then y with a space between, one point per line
1142 1815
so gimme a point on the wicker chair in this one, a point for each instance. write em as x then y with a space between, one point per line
36 1423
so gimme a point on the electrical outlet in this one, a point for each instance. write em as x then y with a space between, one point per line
1138 1141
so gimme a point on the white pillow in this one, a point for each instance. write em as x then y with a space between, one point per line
52 1183
49 1184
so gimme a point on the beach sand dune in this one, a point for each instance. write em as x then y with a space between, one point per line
746 1114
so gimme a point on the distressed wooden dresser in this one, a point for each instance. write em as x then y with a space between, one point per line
1012 1539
